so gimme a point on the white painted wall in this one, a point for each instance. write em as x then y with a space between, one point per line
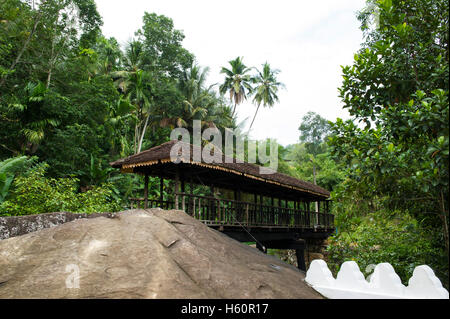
384 283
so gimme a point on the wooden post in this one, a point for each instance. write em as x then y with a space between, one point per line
261 208
146 191
161 191
316 221
306 213
211 205
272 210
183 205
300 259
246 213
237 206
191 198
177 187
182 184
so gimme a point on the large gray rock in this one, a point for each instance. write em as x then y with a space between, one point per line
142 254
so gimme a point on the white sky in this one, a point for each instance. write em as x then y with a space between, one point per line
307 41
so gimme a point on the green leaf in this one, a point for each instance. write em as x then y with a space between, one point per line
391 147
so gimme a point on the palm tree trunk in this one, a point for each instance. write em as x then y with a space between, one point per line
136 134
254 118
141 139
234 109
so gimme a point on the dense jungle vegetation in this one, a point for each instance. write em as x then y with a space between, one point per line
71 101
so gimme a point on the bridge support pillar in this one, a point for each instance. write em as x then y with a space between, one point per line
300 253
261 247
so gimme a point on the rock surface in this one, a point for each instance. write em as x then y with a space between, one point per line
13 226
142 254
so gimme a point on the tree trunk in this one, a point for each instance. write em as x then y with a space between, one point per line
234 110
50 69
136 133
254 117
141 138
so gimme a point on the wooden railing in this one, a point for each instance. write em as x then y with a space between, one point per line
152 203
214 211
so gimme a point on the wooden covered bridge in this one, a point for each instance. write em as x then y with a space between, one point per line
273 210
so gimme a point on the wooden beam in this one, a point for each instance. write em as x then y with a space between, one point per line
146 191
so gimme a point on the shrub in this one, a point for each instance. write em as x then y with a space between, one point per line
396 238
34 193
9 168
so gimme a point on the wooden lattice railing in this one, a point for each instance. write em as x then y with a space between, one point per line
214 211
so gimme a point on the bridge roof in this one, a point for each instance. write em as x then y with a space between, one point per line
245 176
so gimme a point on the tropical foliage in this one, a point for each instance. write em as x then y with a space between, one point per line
395 147
33 193
72 101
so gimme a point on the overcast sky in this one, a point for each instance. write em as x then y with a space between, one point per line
307 41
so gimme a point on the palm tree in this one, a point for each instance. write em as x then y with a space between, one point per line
266 89
136 86
132 64
109 56
197 98
139 93
237 82
199 102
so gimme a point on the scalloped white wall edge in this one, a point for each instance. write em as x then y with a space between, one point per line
384 283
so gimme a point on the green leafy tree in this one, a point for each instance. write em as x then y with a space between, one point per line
398 87
162 50
313 131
